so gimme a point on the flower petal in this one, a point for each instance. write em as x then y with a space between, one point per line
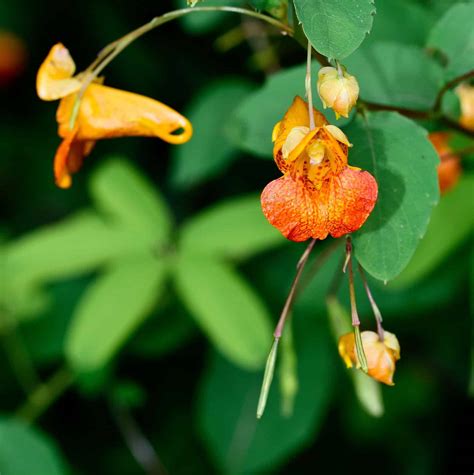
106 112
69 158
54 79
296 116
300 211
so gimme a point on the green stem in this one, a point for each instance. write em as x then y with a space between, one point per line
45 395
115 48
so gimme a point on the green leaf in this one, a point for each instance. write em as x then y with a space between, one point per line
451 224
26 451
228 397
396 75
453 35
209 151
252 124
335 27
400 157
130 201
200 23
77 245
111 309
417 20
226 308
235 228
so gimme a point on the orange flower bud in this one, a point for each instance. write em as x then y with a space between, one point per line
465 93
381 356
338 90
102 112
12 57
449 169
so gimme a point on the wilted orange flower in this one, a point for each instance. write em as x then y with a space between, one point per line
465 93
104 112
319 193
449 168
381 356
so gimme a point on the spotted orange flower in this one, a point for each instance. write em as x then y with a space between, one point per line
104 112
381 355
319 193
449 168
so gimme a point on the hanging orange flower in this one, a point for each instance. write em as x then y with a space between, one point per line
381 355
104 112
319 193
449 168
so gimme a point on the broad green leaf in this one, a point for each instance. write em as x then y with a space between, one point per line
226 308
26 451
396 75
111 310
252 124
335 27
209 151
77 245
451 224
200 23
417 20
228 397
130 201
400 157
453 35
235 228
367 390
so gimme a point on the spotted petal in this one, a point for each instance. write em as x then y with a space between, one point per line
339 207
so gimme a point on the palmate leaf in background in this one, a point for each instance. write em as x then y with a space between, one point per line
335 28
453 35
226 308
113 306
234 228
251 126
398 154
452 222
210 151
239 442
130 201
389 74
25 451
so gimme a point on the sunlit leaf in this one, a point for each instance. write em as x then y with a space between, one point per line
114 305
451 223
398 154
26 451
335 27
209 150
130 201
234 228
228 401
226 308
396 75
453 35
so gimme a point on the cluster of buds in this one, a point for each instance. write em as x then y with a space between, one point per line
337 90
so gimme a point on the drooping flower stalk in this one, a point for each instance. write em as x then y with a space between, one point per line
373 304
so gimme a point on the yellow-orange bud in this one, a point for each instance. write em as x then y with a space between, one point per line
337 90
465 93
381 356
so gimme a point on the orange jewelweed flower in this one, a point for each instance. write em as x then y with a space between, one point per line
12 57
449 168
319 193
104 112
381 355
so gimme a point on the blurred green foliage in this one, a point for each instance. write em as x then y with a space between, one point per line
148 292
